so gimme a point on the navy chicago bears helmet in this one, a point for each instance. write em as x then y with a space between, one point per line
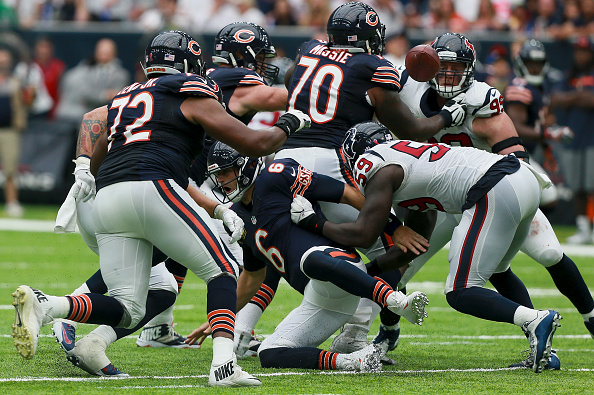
356 25
220 157
173 52
248 40
454 47
362 137
532 57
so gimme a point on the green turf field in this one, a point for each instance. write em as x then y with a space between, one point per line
450 353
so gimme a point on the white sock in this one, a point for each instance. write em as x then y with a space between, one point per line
83 289
523 314
587 316
247 318
344 362
166 317
58 306
222 350
105 332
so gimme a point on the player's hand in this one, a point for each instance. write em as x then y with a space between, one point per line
407 239
199 334
241 343
562 134
84 181
301 209
454 111
293 121
231 221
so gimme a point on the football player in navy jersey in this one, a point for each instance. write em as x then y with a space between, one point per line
343 82
331 277
494 196
156 128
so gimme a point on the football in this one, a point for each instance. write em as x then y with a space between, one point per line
422 63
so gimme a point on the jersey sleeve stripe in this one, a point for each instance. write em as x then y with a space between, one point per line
384 81
254 82
192 89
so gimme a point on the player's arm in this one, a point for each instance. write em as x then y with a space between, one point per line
99 152
219 124
256 98
93 126
391 111
500 133
248 284
519 115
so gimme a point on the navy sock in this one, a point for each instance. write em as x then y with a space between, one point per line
156 302
299 357
511 287
570 283
96 284
178 270
158 256
482 303
95 309
221 304
323 267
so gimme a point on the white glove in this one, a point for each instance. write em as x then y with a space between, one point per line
241 343
301 208
84 182
454 111
231 221
293 121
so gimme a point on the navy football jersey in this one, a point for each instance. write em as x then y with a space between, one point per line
149 138
228 79
331 87
270 237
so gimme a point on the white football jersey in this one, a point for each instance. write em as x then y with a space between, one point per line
483 101
436 176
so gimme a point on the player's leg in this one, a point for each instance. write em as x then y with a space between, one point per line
489 233
324 308
188 235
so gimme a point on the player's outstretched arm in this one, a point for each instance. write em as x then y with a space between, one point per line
250 142
258 98
499 131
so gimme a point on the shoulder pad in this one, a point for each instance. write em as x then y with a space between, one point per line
483 100
227 77
378 70
192 85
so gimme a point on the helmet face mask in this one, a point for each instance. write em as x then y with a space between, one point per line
453 48
245 44
173 52
222 158
531 63
362 137
356 26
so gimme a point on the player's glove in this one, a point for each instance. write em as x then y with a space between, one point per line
84 182
454 111
562 134
292 121
231 220
303 214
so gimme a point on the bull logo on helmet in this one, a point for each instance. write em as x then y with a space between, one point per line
371 18
248 36
194 47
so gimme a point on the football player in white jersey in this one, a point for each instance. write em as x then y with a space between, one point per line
489 128
495 197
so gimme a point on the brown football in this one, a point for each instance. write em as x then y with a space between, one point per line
422 63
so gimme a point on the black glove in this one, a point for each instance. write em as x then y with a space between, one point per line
292 121
454 111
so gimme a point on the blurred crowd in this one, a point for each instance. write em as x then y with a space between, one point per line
554 19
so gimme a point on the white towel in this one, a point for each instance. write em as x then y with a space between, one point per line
66 218
543 180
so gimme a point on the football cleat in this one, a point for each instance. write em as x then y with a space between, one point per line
65 335
350 339
367 360
29 317
89 355
163 335
554 363
540 333
388 338
230 374
411 307
246 344
590 326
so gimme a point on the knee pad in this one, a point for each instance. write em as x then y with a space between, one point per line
550 257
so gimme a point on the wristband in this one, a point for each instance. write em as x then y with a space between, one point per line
313 223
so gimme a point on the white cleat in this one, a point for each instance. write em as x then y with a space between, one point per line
163 335
230 374
367 360
89 355
29 317
350 339
411 307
